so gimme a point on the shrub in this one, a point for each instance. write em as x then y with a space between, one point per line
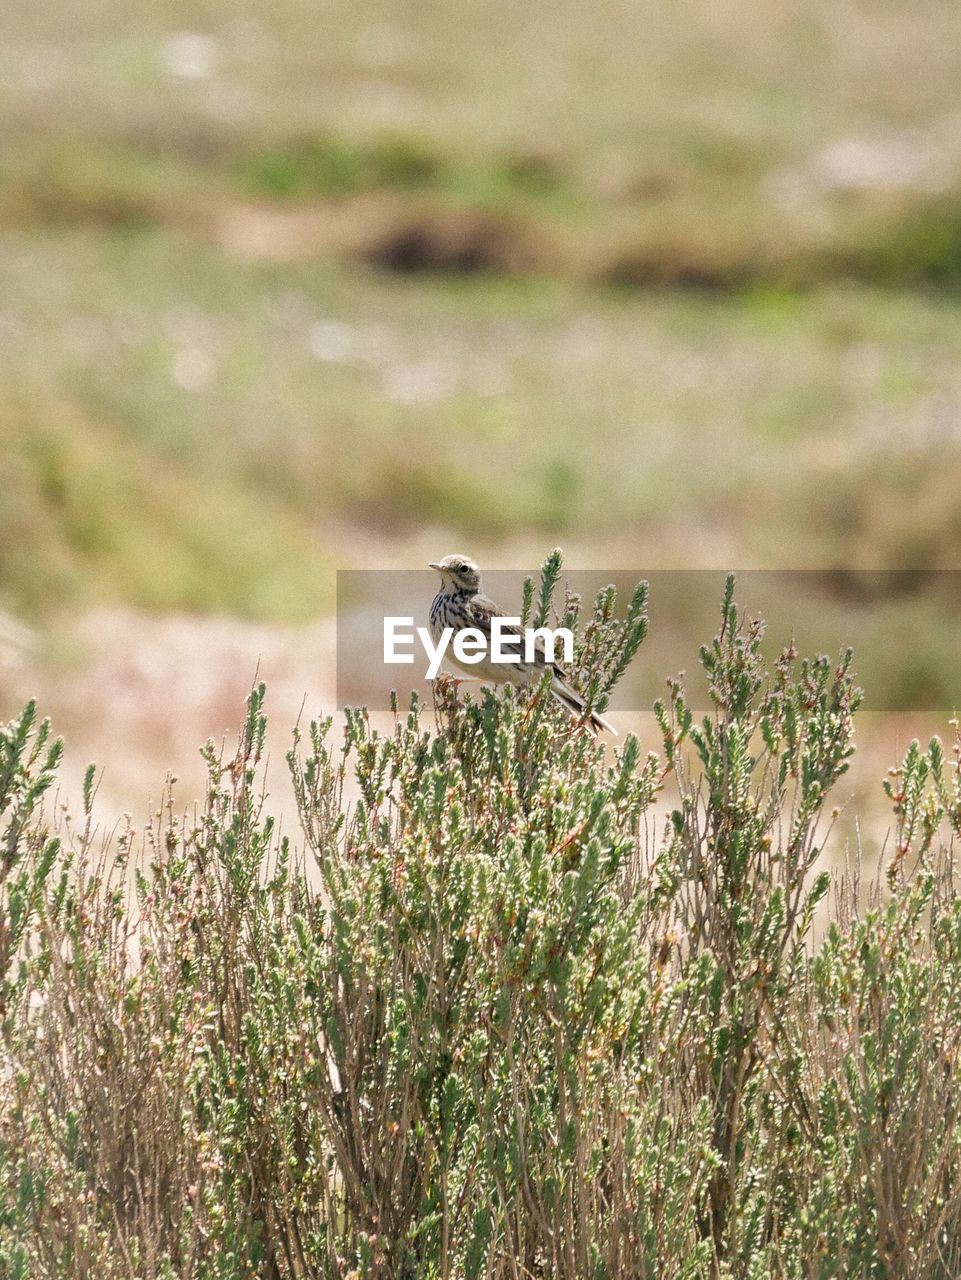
480 1021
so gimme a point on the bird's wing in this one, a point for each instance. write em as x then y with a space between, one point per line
481 609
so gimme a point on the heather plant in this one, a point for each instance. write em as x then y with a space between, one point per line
475 1018
883 1044
743 840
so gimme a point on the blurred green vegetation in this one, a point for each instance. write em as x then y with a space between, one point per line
85 515
813 425
710 224
559 273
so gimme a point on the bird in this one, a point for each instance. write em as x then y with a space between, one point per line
460 603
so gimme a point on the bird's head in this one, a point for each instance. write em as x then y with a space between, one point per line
457 573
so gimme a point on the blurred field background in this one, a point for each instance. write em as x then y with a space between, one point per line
354 285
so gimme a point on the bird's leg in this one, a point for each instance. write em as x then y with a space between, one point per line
445 681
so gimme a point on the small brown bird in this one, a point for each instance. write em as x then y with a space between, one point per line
461 604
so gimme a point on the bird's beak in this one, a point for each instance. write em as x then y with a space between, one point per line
433 565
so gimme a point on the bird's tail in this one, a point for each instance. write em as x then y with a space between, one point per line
574 703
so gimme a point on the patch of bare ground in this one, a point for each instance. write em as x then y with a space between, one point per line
140 694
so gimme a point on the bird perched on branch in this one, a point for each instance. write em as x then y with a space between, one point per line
461 604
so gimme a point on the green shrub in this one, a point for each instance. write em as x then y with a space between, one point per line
479 1021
